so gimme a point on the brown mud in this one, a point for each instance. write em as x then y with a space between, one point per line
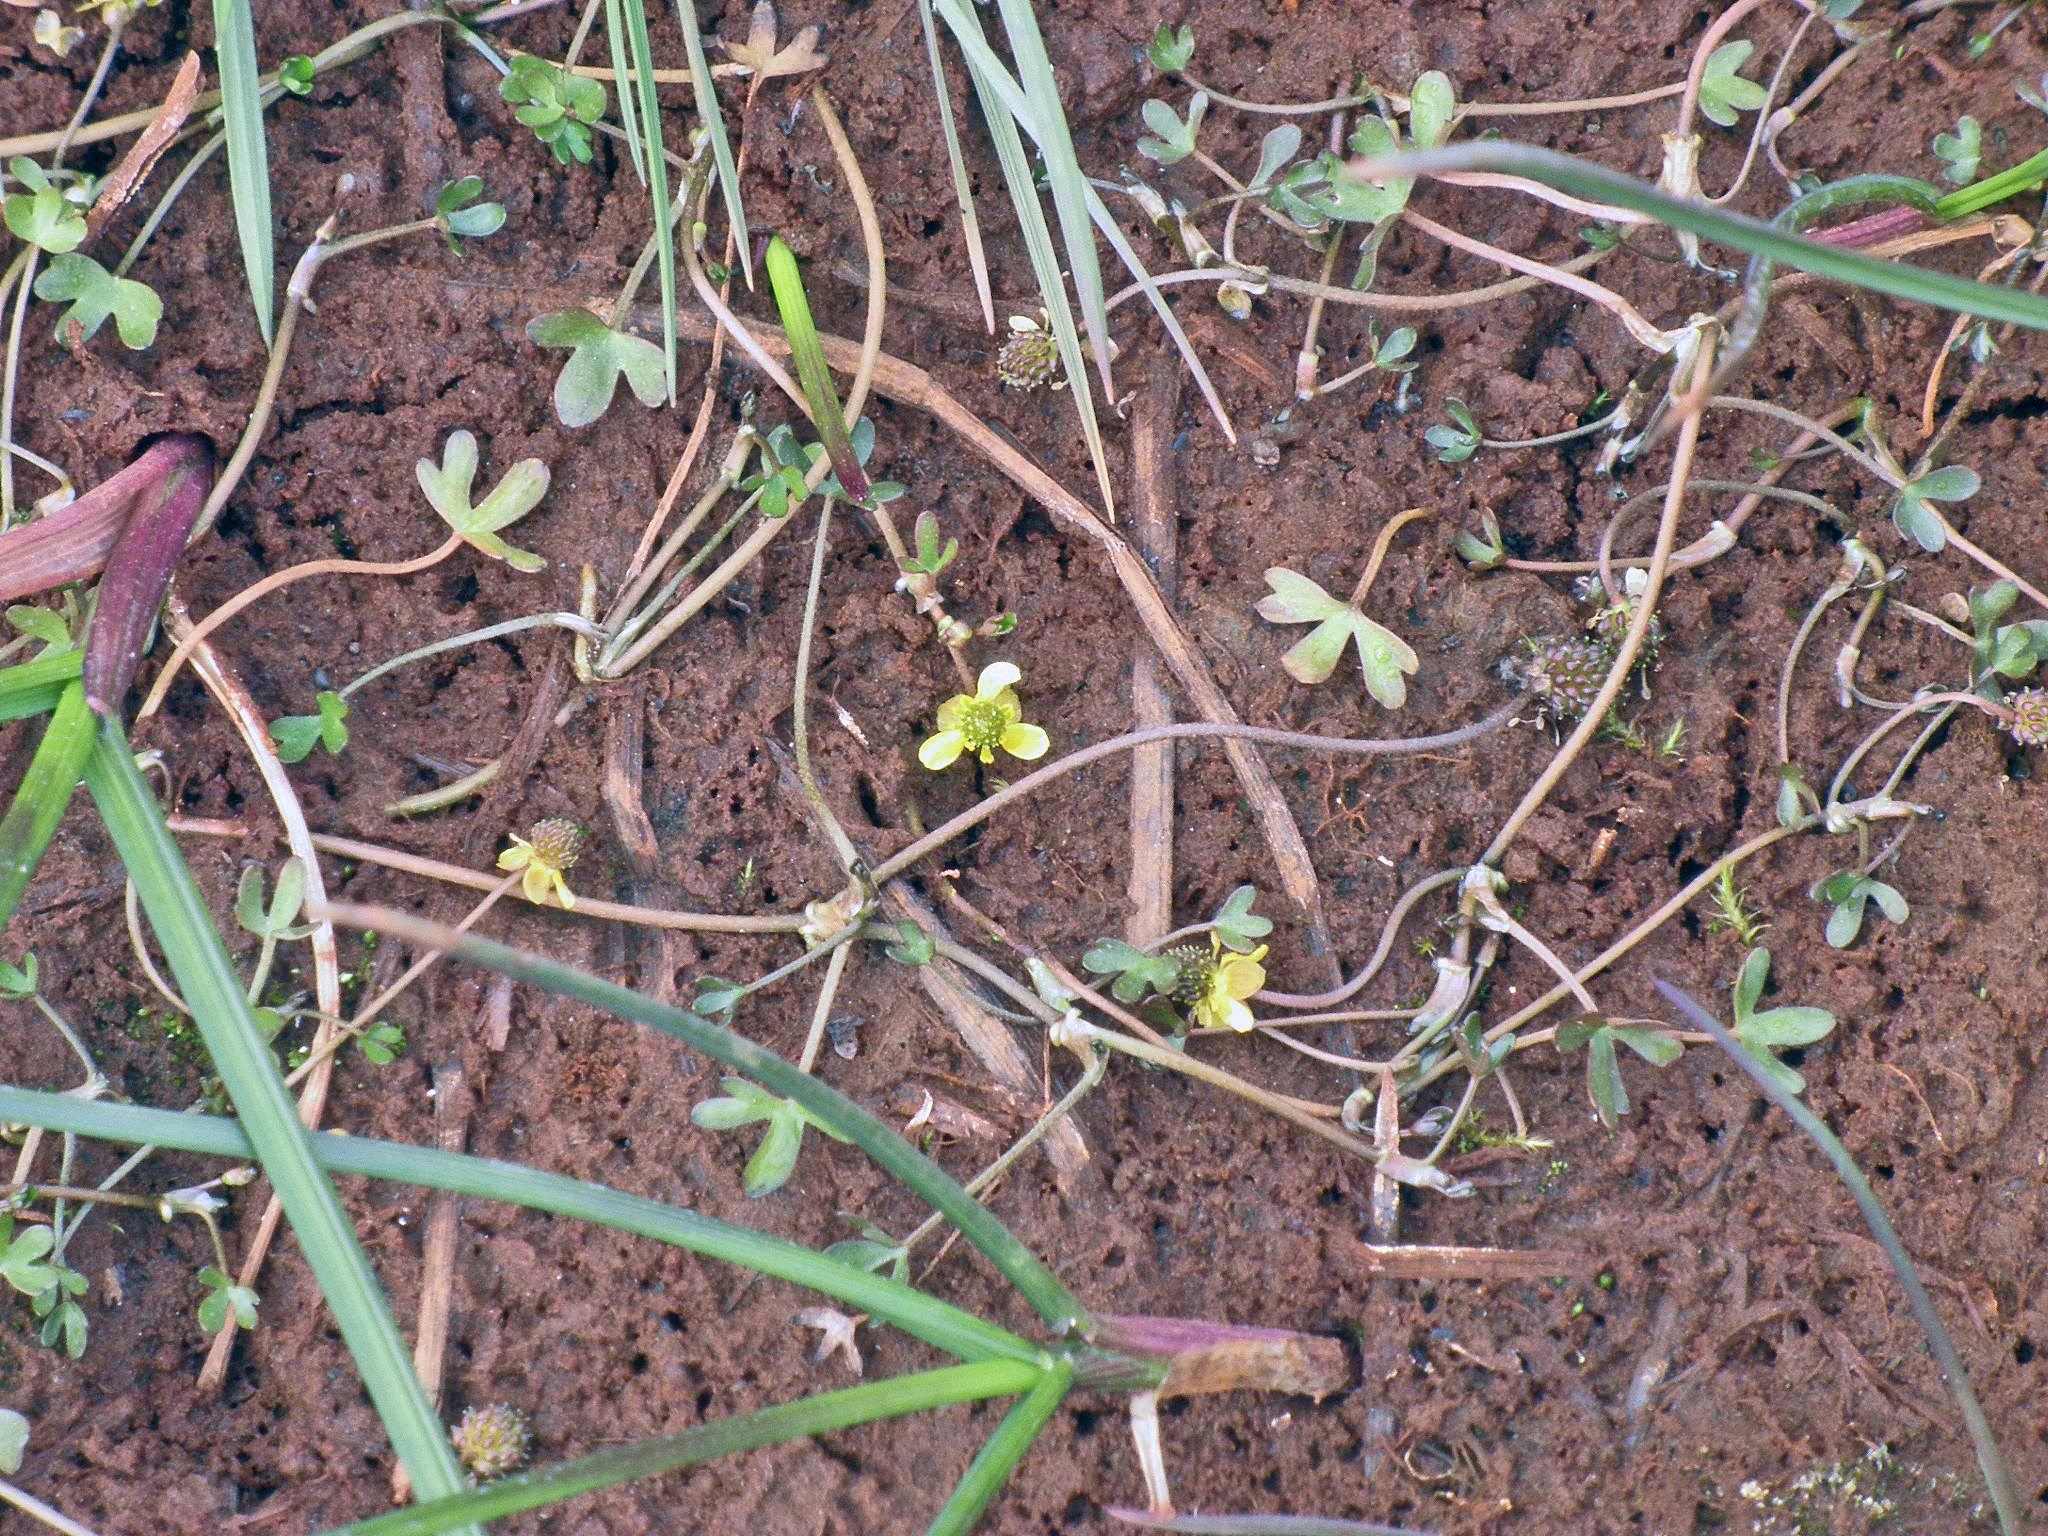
1725 1323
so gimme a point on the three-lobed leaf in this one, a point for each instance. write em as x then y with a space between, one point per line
1175 137
598 358
1171 49
1915 519
1237 926
42 215
297 735
1724 93
1384 656
1136 972
95 295
447 486
1775 1029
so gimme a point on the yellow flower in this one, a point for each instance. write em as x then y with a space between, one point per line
1233 978
553 849
991 718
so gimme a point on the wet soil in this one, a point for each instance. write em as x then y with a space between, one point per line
1723 1325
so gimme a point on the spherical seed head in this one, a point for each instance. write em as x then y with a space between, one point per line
1566 675
557 841
1028 359
1197 965
2029 717
490 1442
1611 622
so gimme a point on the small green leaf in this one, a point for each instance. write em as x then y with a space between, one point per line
1962 151
13 1441
21 1263
1724 94
464 218
221 1293
775 1159
1170 50
556 106
598 358
872 1257
44 625
716 998
1236 925
1297 600
1277 148
1457 443
1915 519
382 1043
1136 973
18 982
1483 551
94 294
916 948
1431 106
1777 1028
447 487
1314 658
297 735
295 74
42 215
1175 139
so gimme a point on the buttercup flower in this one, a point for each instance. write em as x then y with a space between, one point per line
1232 978
991 718
553 849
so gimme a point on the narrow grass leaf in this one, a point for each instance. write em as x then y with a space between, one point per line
45 791
826 1105
248 1070
34 687
788 286
714 124
624 77
2004 1496
938 1323
655 164
241 101
817 1415
1940 290
963 193
995 1461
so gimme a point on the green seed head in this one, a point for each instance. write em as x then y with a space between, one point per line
2029 717
1197 967
1565 675
557 841
1028 359
982 723
490 1442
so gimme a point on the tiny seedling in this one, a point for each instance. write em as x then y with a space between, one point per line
27 1264
1775 1029
221 1294
1456 443
1383 655
1175 136
1603 1065
598 358
42 215
1482 551
297 735
1724 93
917 947
1960 152
1171 50
295 74
461 217
1919 522
447 486
2010 651
874 1251
1732 910
1847 893
775 1159
558 107
94 295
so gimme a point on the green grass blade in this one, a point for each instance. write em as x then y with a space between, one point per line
1047 1295
34 687
249 1071
713 118
623 78
826 415
1994 189
1048 127
241 102
656 163
39 804
1937 289
938 1323
999 109
767 1426
996 1460
2004 1496
963 192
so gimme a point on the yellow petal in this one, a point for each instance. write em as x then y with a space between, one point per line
1025 741
567 896
995 677
1239 1017
942 750
518 856
949 712
535 884
1242 978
